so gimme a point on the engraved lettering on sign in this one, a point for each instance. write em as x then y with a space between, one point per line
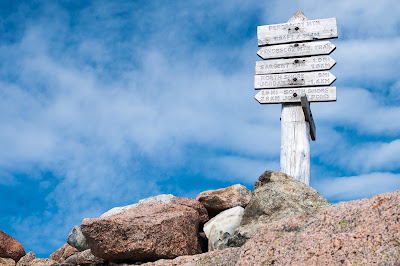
320 94
297 31
293 80
294 65
295 50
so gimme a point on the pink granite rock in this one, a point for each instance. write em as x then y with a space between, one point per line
25 260
360 232
86 257
275 197
196 205
7 262
148 232
10 247
63 253
222 199
226 257
166 199
42 262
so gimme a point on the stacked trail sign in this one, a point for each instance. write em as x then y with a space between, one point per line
295 72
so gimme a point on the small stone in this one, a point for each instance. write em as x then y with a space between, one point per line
222 199
71 259
222 227
25 260
63 253
7 262
226 257
42 262
76 239
86 257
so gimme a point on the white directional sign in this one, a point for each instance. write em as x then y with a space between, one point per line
296 49
318 78
314 94
313 63
297 31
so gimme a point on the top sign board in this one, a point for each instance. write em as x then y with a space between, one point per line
297 31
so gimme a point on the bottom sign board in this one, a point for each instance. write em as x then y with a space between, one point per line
293 95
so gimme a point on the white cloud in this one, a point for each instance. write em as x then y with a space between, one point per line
375 156
357 187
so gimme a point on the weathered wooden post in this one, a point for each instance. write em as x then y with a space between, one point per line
293 77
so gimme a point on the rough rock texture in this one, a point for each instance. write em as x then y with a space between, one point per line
192 203
86 257
163 198
71 259
222 199
360 232
277 196
10 247
226 257
63 253
25 260
7 262
222 227
118 210
76 239
148 232
42 262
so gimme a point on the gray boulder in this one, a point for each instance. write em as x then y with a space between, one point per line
76 239
276 196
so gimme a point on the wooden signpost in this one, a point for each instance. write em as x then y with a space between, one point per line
295 77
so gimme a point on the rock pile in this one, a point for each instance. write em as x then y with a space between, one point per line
283 222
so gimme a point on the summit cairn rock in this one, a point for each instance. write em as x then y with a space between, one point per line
222 227
7 262
147 232
10 247
26 260
277 196
358 232
76 239
226 257
166 199
63 253
222 199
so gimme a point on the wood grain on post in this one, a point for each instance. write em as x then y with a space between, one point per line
295 143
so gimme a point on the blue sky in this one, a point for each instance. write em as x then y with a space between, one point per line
104 103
